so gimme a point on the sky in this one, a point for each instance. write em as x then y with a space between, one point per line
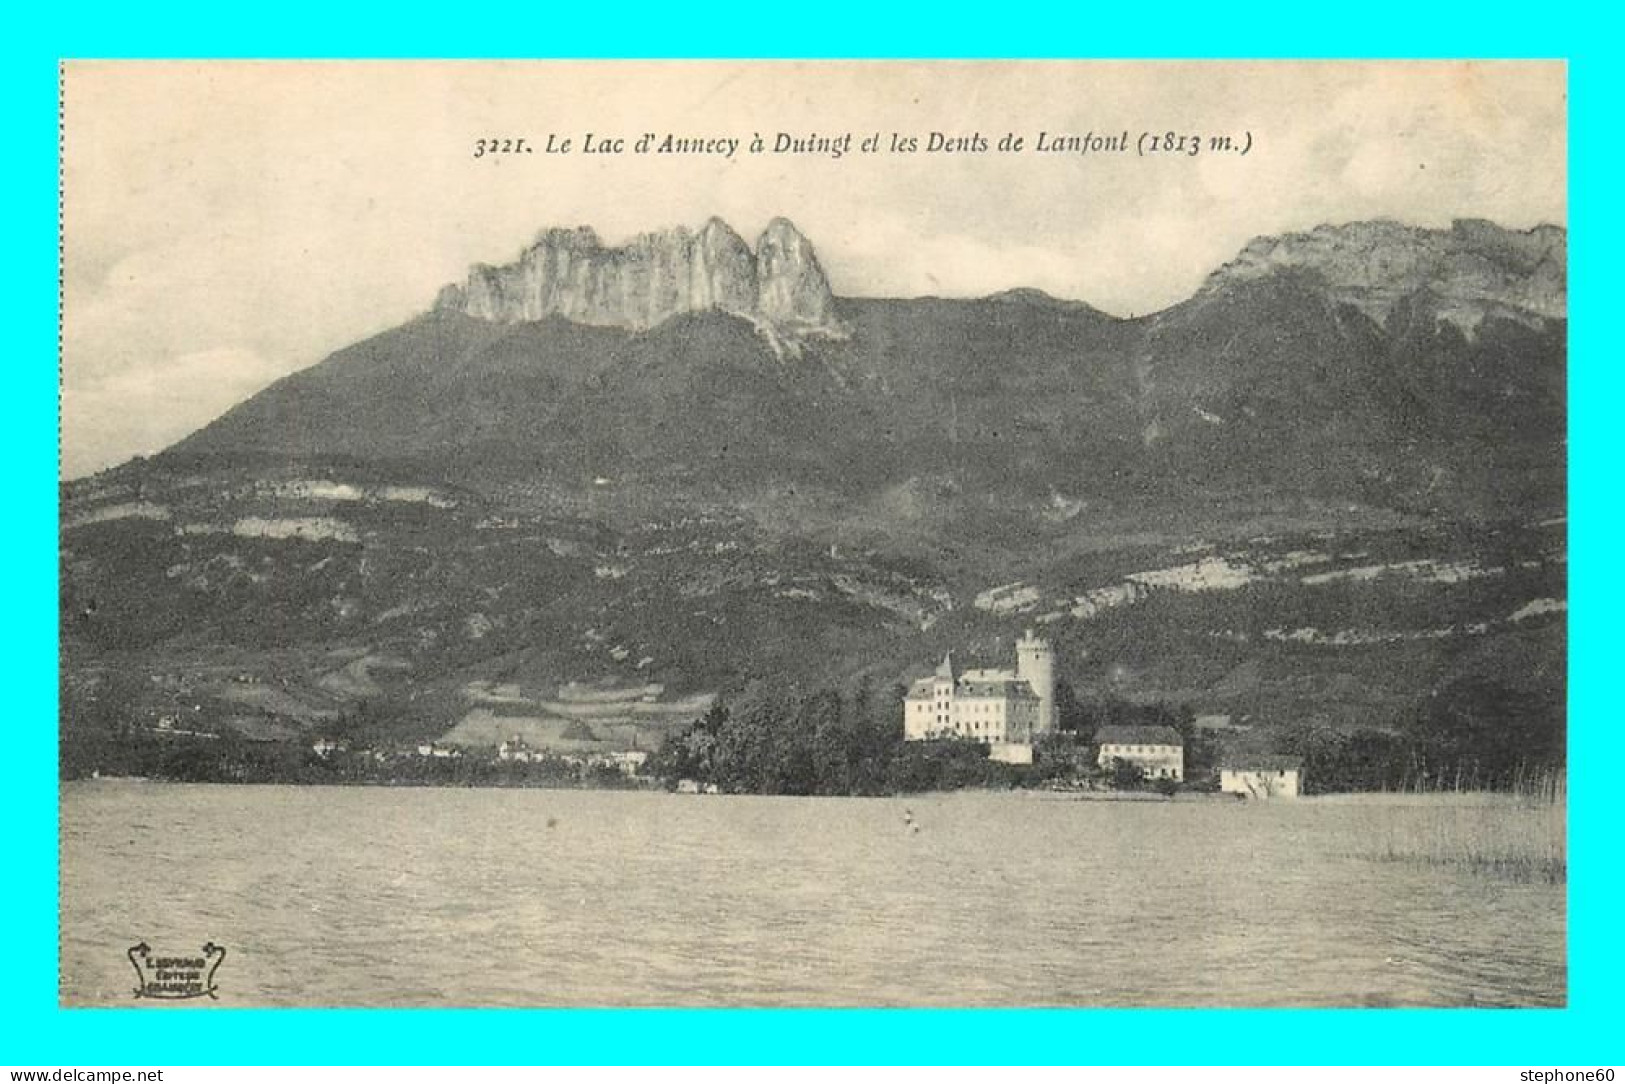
228 223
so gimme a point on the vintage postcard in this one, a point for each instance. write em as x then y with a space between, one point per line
937 534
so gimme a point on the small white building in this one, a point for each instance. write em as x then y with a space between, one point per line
1262 776
1221 724
1158 751
437 751
515 749
628 761
1001 708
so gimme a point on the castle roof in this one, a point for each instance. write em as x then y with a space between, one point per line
996 689
974 688
946 670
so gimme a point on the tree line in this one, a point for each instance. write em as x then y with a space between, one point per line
1472 733
780 739
774 739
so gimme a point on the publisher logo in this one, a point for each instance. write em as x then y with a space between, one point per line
177 977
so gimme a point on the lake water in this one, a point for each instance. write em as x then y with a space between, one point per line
377 896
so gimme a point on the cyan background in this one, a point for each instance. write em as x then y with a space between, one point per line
34 1031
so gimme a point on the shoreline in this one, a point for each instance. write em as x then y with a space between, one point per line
1373 798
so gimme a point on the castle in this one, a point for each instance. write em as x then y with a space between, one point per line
1006 709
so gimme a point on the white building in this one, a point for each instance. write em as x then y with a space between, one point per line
629 761
436 750
1220 724
1158 751
1262 776
515 749
1004 709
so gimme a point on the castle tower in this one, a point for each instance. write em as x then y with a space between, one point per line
1035 664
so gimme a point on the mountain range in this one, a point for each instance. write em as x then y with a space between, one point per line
1327 485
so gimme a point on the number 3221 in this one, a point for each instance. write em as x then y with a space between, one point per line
483 147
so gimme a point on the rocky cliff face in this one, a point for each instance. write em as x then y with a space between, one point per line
1470 272
791 288
571 273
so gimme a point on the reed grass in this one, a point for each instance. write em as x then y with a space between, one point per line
1521 835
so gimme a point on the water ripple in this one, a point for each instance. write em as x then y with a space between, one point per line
373 896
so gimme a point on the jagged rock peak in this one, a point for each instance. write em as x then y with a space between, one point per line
573 274
792 287
1472 270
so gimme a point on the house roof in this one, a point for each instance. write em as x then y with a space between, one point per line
1138 735
1260 762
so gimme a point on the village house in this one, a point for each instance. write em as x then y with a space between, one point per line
1158 751
515 749
438 751
1004 709
1262 776
628 761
